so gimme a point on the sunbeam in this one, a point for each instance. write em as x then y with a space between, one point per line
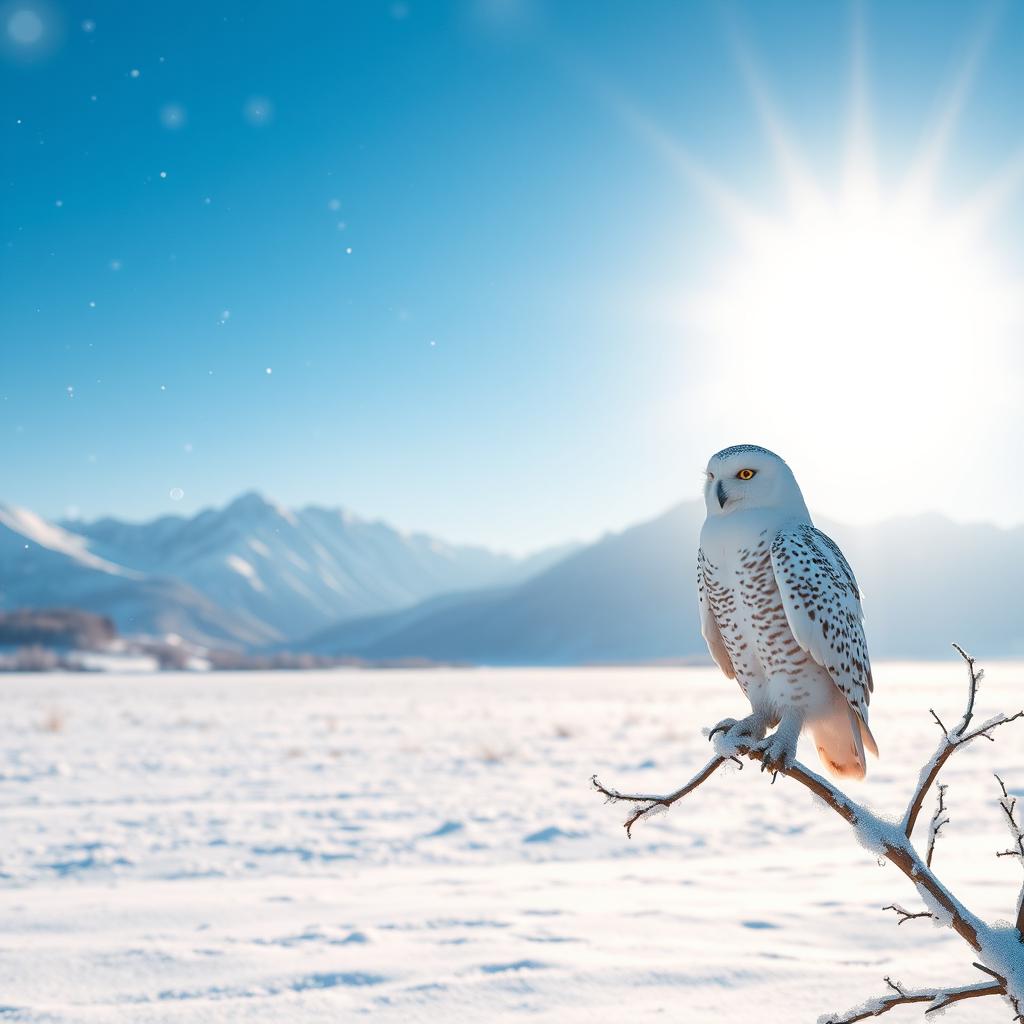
859 317
927 164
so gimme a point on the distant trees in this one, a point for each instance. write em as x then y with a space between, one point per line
56 628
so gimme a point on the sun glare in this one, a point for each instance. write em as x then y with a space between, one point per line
886 309
857 322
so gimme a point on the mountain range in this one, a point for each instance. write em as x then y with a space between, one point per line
248 575
256 576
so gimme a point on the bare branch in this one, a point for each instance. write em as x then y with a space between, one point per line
906 915
649 802
974 680
892 842
892 845
951 740
937 822
896 849
937 998
1008 805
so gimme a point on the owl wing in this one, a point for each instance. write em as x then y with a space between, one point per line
709 626
822 603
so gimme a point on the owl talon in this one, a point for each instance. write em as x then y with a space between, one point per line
739 735
778 751
725 725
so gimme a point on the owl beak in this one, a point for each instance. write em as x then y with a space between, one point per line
721 495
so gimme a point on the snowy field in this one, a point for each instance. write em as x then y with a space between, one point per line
424 846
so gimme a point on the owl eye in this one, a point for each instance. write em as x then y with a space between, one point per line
746 474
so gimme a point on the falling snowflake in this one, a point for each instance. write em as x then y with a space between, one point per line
258 110
176 494
134 73
269 370
88 25
172 115
25 27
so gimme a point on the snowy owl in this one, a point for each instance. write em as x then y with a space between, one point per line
781 613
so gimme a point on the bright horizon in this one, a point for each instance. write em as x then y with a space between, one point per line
519 303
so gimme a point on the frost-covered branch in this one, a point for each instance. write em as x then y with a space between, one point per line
952 739
906 915
937 999
1000 949
938 820
1008 805
648 804
880 836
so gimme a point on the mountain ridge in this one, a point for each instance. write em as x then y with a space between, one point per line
250 573
256 575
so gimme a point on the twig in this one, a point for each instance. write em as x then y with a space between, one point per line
906 915
938 998
975 679
951 740
1009 807
651 802
937 822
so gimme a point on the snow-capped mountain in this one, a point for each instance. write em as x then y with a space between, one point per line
44 565
250 573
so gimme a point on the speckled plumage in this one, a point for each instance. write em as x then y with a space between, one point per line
781 610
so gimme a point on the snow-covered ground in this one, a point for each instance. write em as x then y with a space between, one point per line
424 846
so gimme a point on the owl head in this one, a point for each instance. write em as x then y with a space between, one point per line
747 476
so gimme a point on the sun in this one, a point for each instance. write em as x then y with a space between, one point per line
885 308
866 332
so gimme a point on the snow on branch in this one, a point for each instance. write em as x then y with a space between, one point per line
952 739
936 998
647 804
905 915
937 822
1000 950
1008 805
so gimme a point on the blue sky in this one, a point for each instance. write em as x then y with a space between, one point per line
467 268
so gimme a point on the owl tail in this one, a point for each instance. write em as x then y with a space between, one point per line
841 737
